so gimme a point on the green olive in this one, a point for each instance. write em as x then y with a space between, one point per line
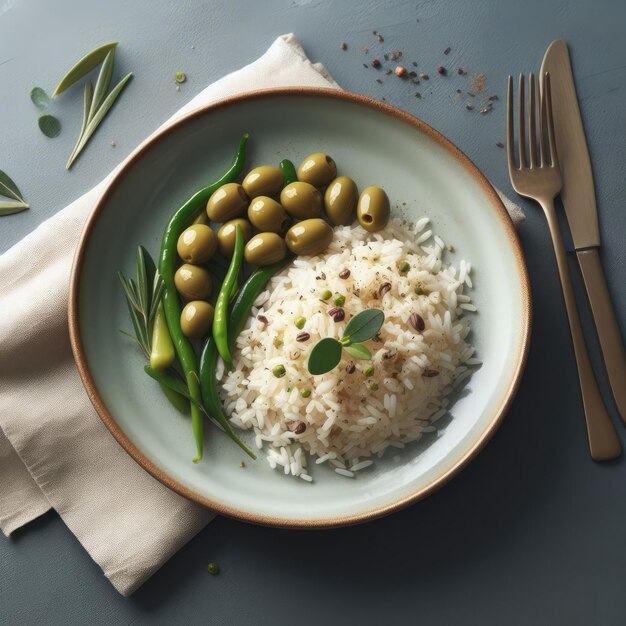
193 282
265 249
196 319
267 215
264 181
318 169
309 237
301 200
226 236
373 209
340 200
227 202
196 244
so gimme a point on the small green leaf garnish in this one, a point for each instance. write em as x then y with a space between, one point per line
9 189
180 77
49 125
358 351
39 97
84 66
364 325
326 353
324 356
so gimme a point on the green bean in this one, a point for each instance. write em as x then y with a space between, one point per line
289 171
171 302
228 289
208 360
177 400
172 385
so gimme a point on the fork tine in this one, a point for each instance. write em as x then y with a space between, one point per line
554 157
510 131
522 124
532 130
543 123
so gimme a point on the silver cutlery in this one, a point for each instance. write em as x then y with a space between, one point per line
579 200
539 177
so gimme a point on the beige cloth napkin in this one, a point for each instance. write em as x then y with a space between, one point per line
54 450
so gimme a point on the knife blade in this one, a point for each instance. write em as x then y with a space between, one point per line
579 199
578 195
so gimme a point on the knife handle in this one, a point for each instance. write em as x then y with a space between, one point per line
604 443
606 325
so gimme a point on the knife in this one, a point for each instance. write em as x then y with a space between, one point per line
579 200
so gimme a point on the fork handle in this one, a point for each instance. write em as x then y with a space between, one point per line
604 443
608 331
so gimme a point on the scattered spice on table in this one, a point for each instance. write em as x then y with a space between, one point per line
375 63
447 50
442 70
213 569
344 46
180 77
400 71
242 465
499 144
478 82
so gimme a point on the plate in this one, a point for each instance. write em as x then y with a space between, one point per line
374 143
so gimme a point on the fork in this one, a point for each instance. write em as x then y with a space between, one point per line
539 178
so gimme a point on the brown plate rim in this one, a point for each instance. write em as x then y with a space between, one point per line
163 477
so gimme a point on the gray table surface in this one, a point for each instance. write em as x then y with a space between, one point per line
532 532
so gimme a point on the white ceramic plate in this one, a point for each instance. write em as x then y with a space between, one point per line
374 144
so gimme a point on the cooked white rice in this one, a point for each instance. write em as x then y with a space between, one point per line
347 420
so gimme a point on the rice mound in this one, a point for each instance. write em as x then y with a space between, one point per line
349 417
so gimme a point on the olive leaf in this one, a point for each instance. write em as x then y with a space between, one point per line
9 189
84 66
364 325
7 207
358 351
324 356
49 125
102 84
87 100
98 116
39 97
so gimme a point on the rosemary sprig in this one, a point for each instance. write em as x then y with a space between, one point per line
143 295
